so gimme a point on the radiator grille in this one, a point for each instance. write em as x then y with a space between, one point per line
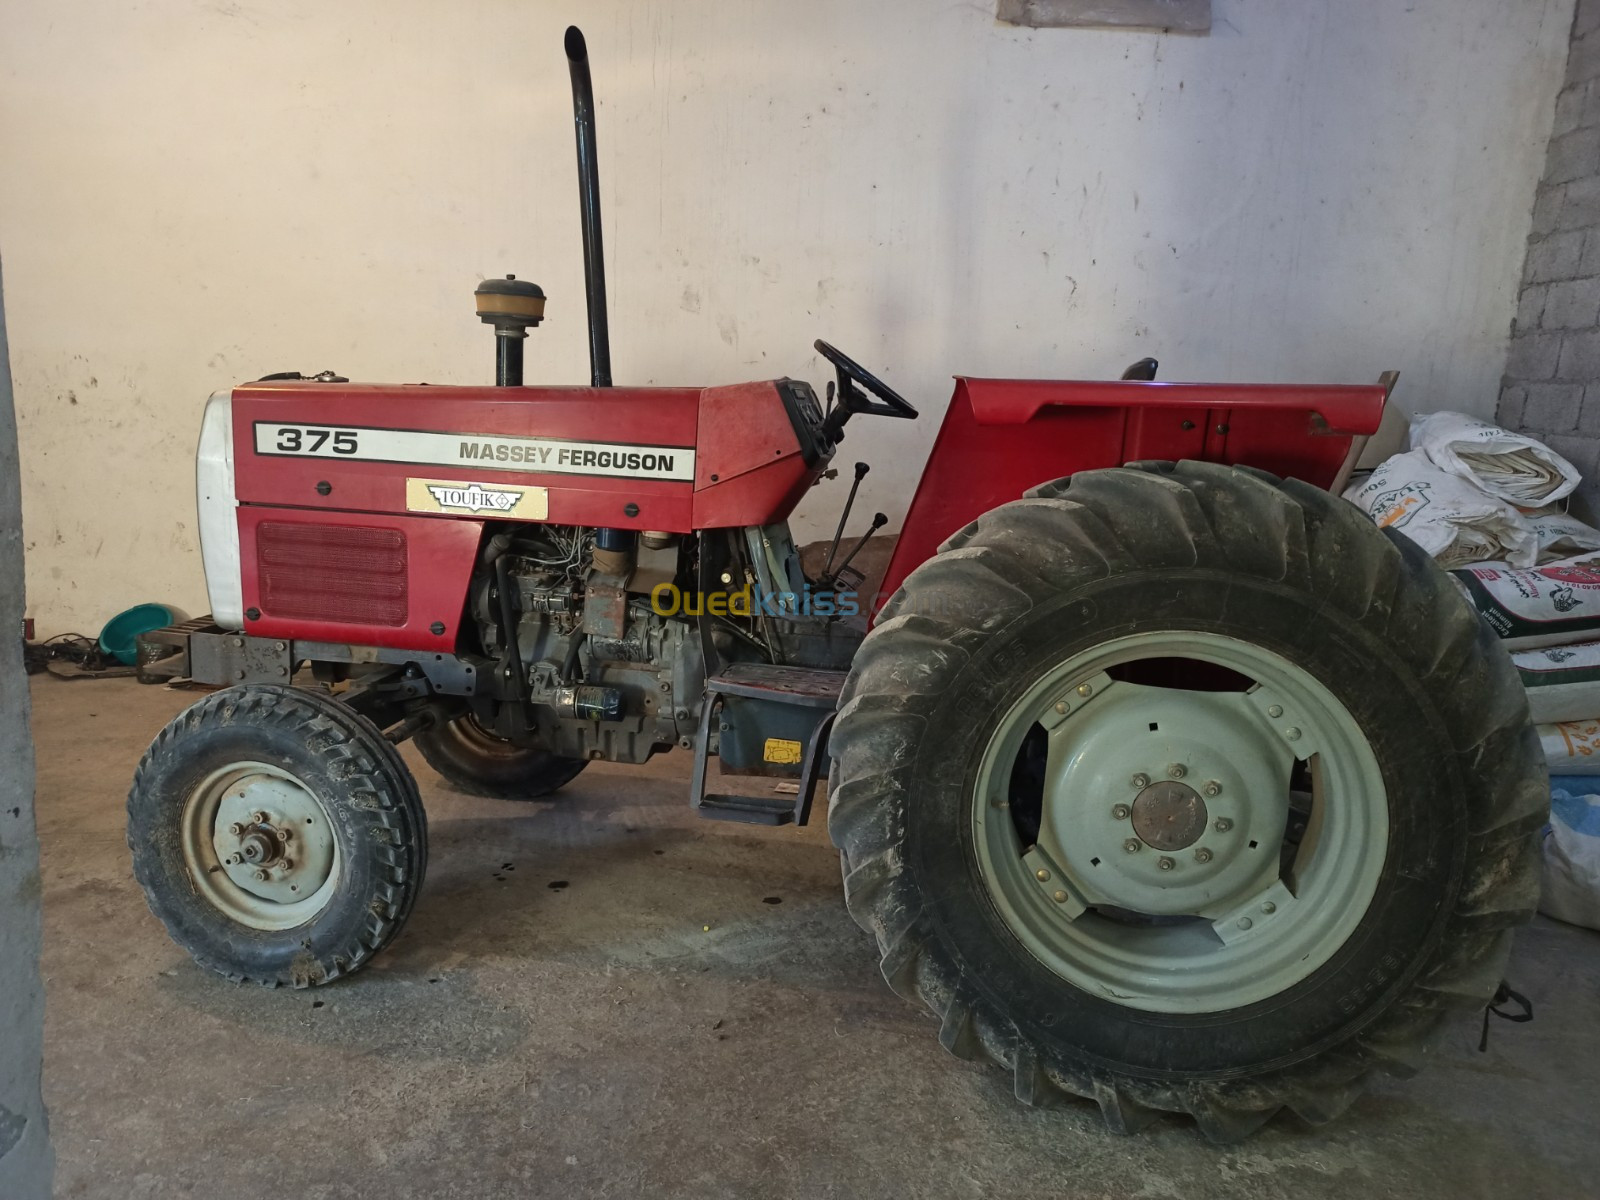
351 573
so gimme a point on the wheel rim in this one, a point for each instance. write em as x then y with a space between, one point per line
467 730
259 846
1177 892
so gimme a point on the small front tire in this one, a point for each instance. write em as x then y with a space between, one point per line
277 835
473 760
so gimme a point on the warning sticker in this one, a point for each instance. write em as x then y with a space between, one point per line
781 750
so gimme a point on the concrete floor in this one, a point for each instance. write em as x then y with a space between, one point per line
596 1040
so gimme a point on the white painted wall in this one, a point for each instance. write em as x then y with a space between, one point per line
196 192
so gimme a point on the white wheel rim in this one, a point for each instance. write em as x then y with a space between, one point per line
1215 926
269 874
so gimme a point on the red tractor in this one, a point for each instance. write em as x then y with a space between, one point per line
1175 785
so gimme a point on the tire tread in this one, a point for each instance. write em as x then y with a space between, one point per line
367 764
1173 515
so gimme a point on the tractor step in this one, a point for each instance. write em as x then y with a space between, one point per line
812 691
807 687
752 810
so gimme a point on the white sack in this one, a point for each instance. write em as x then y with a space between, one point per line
1562 682
1571 747
1553 605
1512 466
1442 513
1561 535
1570 889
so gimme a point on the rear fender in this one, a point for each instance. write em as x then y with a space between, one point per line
1001 437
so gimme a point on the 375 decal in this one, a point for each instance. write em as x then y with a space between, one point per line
310 439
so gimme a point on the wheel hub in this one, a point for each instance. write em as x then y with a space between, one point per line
1166 851
1169 815
259 846
272 838
1154 874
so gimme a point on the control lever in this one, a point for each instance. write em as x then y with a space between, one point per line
861 472
878 522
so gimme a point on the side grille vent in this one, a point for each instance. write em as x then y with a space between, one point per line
349 573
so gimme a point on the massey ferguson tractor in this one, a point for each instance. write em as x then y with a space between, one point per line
1158 774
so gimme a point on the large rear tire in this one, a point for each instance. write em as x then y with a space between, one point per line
1332 840
475 761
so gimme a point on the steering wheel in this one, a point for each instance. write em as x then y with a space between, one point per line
889 402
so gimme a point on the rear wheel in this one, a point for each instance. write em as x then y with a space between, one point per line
1185 789
475 761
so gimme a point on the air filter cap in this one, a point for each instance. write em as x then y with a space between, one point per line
510 302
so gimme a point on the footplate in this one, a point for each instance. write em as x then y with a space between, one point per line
779 700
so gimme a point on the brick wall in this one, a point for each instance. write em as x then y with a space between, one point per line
1552 382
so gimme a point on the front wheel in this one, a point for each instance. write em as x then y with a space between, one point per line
472 760
1185 789
277 835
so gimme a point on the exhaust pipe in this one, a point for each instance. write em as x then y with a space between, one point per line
618 543
594 260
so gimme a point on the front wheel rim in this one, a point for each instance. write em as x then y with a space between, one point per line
477 742
259 846
1152 879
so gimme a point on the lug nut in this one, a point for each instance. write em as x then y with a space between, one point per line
233 860
286 833
236 829
1165 863
1212 788
261 875
287 864
1141 780
1041 875
1120 812
1085 690
259 818
1223 825
1202 855
1177 770
1274 710
1132 845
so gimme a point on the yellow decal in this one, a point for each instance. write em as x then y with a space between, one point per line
778 750
477 499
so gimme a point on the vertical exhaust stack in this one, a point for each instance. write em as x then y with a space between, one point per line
594 260
613 547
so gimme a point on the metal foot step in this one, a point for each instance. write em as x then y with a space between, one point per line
752 810
815 691
806 687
